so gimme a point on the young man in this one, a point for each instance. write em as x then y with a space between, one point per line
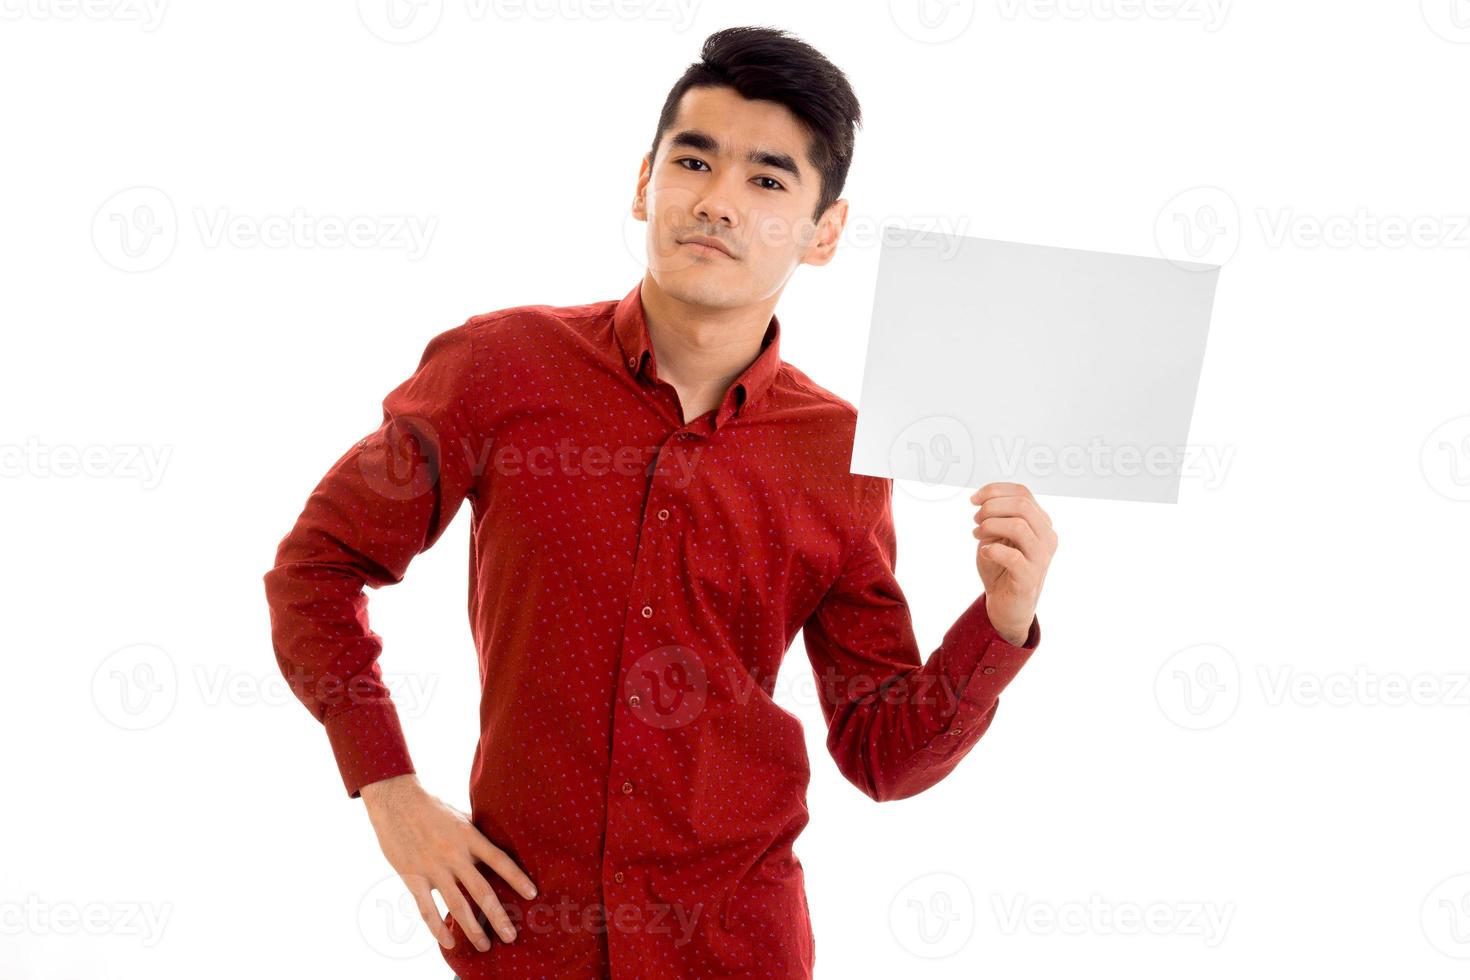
659 504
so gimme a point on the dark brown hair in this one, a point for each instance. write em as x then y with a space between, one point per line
767 63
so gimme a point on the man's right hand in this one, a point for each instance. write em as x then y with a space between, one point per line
433 846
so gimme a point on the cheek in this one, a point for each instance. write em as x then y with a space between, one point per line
774 232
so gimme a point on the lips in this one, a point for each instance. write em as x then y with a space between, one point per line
711 243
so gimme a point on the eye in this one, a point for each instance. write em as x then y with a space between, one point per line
773 180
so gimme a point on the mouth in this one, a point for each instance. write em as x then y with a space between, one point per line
706 246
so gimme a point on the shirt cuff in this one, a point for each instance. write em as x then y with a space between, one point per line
995 664
368 743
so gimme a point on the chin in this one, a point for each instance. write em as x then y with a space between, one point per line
702 285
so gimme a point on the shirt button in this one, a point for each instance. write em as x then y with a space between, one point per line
663 514
988 670
632 362
647 611
954 731
633 701
617 876
627 787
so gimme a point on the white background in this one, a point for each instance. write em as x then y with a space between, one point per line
1248 717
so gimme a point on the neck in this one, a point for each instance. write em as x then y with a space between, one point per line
702 348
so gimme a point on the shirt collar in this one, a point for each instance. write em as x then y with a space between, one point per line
631 330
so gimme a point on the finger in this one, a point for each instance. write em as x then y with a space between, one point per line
1015 531
999 490
459 908
1004 555
482 847
418 887
484 896
1014 507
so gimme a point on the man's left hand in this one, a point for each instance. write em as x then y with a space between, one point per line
1016 546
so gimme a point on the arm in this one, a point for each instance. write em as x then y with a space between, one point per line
387 499
898 725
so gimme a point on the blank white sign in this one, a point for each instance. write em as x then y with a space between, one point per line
1072 372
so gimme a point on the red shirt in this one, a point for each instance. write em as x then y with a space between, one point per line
635 581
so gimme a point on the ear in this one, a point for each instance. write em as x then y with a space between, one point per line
829 229
640 191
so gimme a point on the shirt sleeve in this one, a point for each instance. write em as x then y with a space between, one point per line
384 501
896 725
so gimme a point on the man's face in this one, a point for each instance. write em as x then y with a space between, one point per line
703 182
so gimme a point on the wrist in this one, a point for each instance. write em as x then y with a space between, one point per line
1013 632
391 789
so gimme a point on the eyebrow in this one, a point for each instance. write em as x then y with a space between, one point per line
696 139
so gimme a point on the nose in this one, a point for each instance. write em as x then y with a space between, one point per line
715 205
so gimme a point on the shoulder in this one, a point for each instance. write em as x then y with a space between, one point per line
502 330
